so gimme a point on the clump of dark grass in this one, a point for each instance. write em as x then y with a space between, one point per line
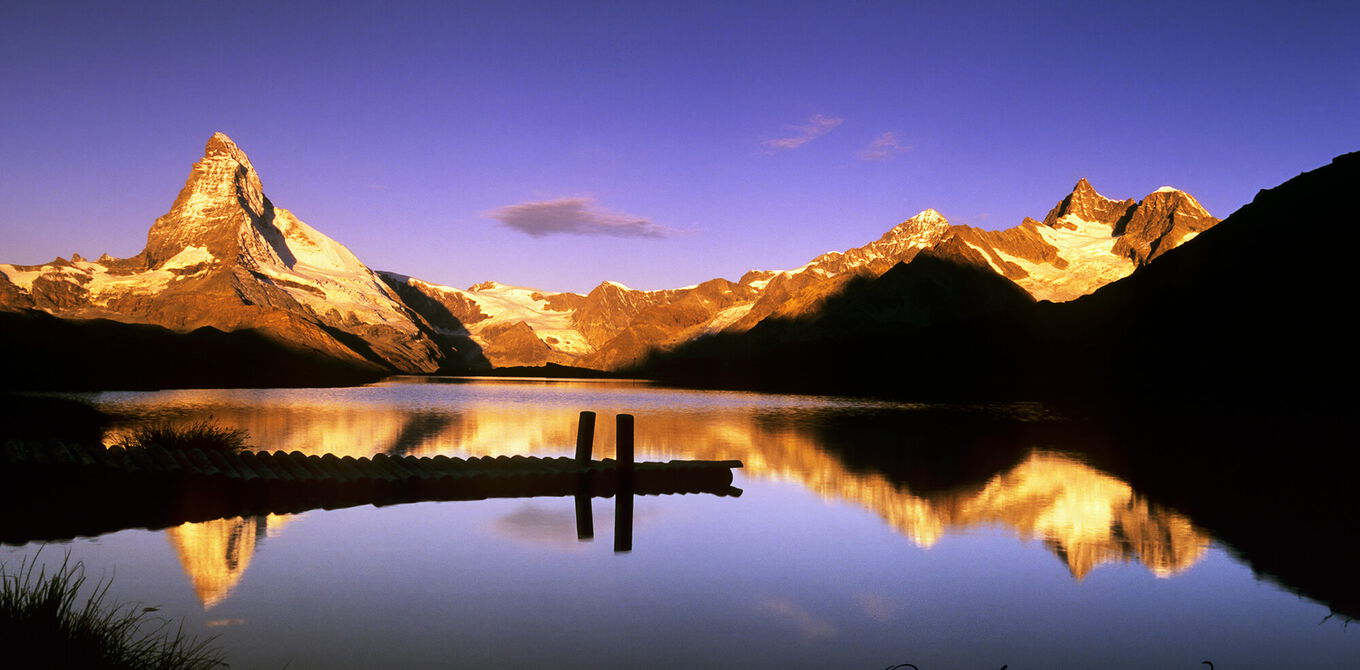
44 624
204 435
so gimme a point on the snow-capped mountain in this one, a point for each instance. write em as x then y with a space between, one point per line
227 257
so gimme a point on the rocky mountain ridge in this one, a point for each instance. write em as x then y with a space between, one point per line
224 256
1086 241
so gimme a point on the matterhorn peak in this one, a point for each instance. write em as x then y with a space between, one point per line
222 197
221 145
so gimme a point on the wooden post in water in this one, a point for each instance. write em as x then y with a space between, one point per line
585 443
623 499
623 450
585 438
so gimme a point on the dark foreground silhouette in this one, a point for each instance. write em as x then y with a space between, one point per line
41 352
54 620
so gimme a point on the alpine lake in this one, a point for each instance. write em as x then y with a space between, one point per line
865 534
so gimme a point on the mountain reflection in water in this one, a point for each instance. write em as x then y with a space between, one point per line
958 476
215 554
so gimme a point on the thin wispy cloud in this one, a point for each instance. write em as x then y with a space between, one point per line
884 147
815 127
574 216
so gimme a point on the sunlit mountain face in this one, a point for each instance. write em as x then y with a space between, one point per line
1084 516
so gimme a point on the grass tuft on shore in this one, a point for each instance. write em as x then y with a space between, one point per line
204 435
44 624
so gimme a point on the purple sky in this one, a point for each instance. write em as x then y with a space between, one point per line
557 145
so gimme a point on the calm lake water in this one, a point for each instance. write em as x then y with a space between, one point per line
867 534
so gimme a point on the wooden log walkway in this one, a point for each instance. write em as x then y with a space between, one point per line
56 490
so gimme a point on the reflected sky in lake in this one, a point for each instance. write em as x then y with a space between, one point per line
869 534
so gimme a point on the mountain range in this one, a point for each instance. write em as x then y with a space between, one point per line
225 257
1245 318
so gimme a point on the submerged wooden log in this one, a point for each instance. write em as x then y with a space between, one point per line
55 493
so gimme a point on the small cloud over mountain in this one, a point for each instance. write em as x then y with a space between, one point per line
884 147
574 216
815 127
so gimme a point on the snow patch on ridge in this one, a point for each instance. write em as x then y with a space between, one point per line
22 278
725 318
1088 249
327 277
509 304
986 254
505 305
188 257
103 286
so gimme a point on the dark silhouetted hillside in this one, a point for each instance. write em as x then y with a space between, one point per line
1251 311
885 335
42 352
